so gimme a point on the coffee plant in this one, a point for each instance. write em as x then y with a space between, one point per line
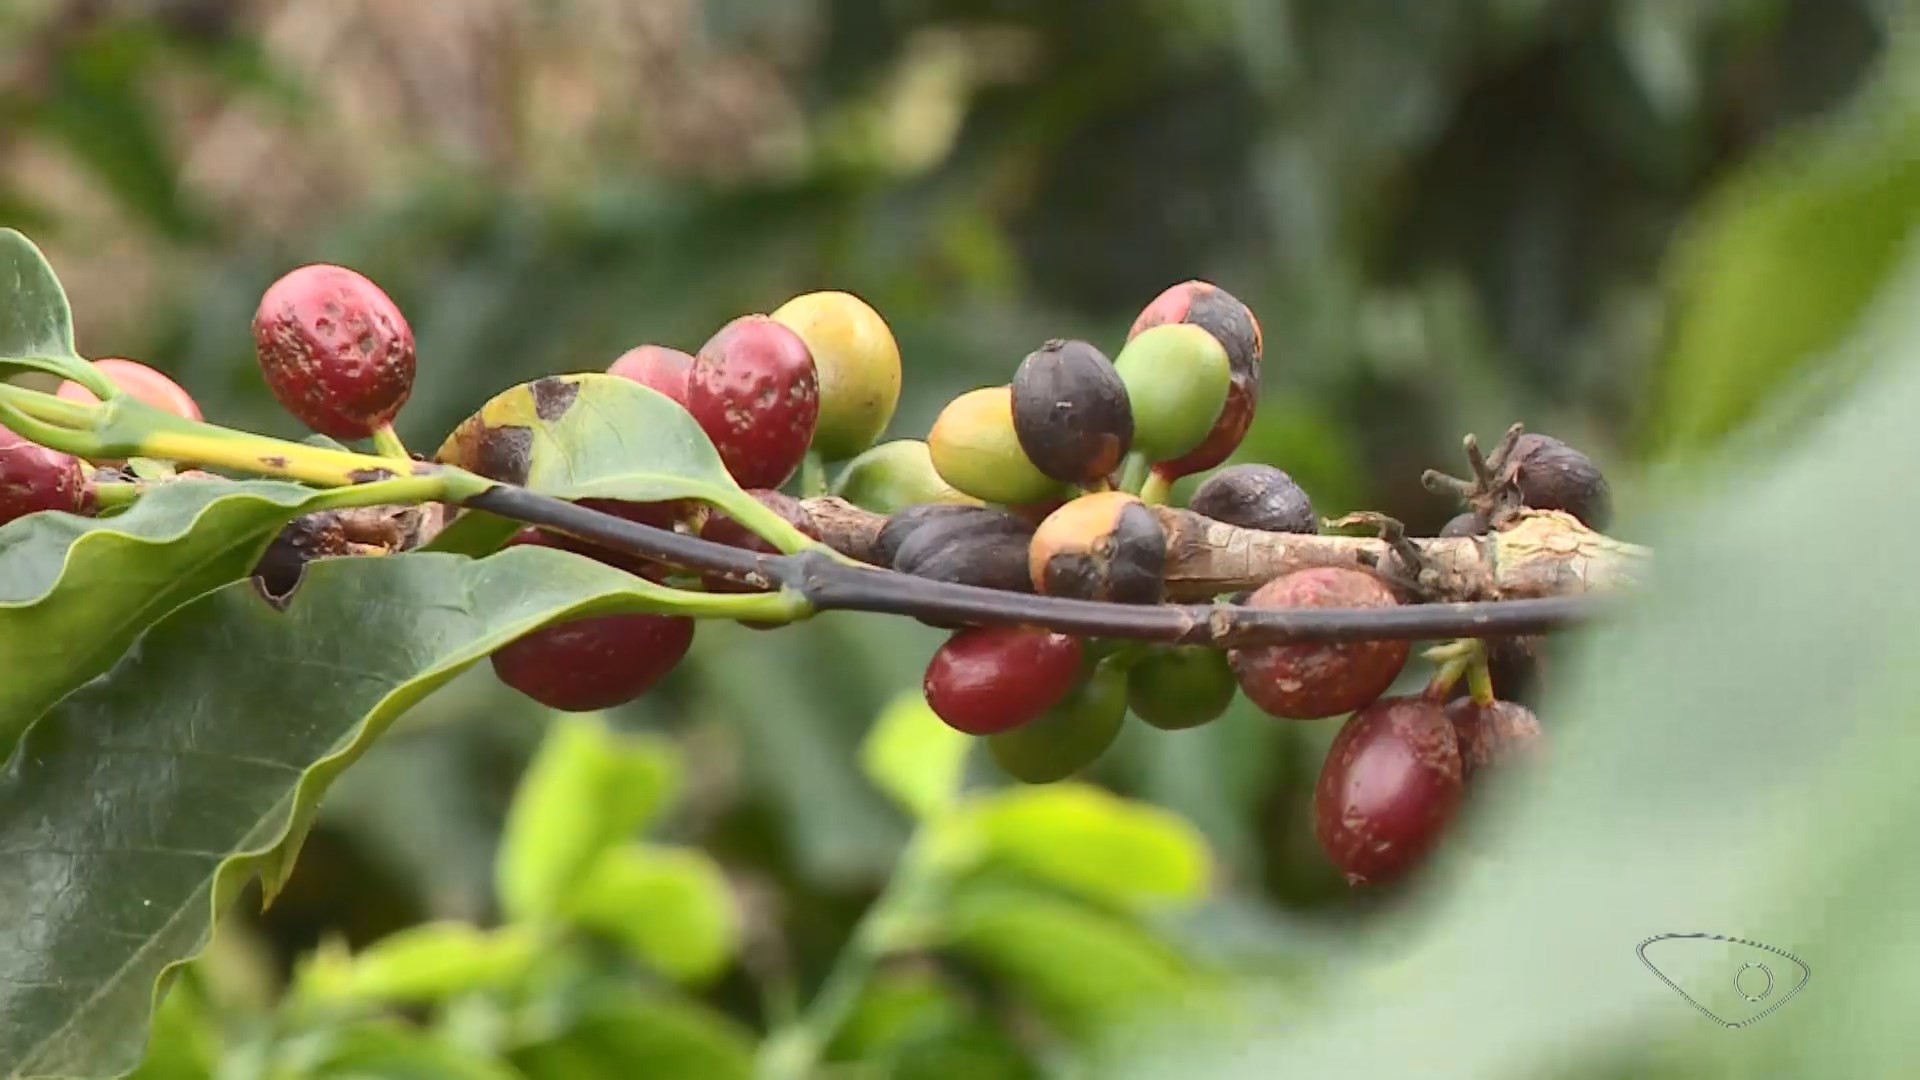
160 575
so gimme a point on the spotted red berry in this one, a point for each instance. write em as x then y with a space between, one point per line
597 662
1390 785
1310 681
34 478
335 350
754 389
141 383
990 679
657 368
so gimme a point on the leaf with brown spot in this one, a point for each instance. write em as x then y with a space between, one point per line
587 436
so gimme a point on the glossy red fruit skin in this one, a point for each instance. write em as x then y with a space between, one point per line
657 368
34 478
754 389
1221 314
597 662
140 382
1391 783
989 679
1312 681
335 350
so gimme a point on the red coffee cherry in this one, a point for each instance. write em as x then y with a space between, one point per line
1313 681
34 478
597 662
657 368
756 394
1491 736
141 383
1391 784
990 679
722 529
335 350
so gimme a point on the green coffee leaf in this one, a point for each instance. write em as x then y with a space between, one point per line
913 757
424 963
914 1024
670 907
1846 201
388 1050
1117 851
587 789
626 1034
76 591
584 437
136 810
1082 968
36 325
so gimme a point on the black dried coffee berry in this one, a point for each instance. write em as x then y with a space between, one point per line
1554 476
1071 412
1256 497
1105 546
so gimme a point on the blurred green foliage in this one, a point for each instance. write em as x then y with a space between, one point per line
1642 225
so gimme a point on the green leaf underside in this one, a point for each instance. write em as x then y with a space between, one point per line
1116 851
1081 968
583 437
629 1034
142 804
914 757
587 789
75 591
35 322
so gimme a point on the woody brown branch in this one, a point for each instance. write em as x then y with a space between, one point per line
1544 553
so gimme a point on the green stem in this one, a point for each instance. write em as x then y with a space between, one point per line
1480 681
1155 491
113 494
1134 472
45 406
813 476
386 442
793 1051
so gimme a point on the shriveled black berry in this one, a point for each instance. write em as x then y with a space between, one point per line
948 519
1554 476
1467 524
981 551
1071 413
1256 497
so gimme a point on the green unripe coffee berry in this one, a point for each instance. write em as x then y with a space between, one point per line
893 476
1068 737
1181 687
1177 377
974 449
858 362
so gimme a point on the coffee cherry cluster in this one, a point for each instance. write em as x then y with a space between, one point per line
1052 483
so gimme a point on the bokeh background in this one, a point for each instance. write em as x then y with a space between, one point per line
1629 223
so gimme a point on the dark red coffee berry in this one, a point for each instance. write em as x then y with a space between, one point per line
1070 412
1221 314
660 515
1554 476
722 529
1390 785
657 368
990 679
34 478
597 662
1313 681
1256 497
335 350
755 392
1494 735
